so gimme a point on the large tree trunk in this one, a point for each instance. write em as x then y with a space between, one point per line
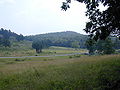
38 50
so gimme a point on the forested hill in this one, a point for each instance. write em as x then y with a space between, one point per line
65 39
7 34
6 37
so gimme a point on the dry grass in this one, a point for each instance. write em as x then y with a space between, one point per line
10 65
60 73
27 51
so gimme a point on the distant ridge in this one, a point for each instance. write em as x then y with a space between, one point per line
70 32
60 38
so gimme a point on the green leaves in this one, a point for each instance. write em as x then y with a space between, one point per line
106 22
65 6
39 45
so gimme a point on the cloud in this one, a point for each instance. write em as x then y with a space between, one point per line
41 16
10 1
7 2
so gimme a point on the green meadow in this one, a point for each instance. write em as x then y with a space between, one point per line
73 72
53 53
60 73
24 48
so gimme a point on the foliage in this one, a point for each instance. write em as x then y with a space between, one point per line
6 37
105 46
6 34
101 46
39 45
75 44
116 43
22 48
5 42
90 44
62 39
20 37
102 23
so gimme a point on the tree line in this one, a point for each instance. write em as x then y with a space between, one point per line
6 37
107 46
102 23
75 40
63 39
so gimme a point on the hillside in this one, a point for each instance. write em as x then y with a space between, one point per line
64 39
12 44
7 37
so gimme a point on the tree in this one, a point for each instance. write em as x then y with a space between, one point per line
7 34
90 44
105 46
75 44
39 45
62 39
101 46
117 43
109 46
102 23
20 37
5 42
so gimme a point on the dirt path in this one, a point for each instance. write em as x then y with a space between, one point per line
45 56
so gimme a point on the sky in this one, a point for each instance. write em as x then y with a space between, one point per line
30 17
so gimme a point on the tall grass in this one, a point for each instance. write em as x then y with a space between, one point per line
24 48
84 73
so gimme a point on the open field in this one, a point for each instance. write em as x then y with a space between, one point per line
61 73
24 49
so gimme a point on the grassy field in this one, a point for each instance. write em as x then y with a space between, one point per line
24 48
17 49
61 73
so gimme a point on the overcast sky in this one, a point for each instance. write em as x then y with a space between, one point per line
30 17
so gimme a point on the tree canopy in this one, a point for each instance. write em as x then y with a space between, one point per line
39 45
62 39
6 37
102 23
101 46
